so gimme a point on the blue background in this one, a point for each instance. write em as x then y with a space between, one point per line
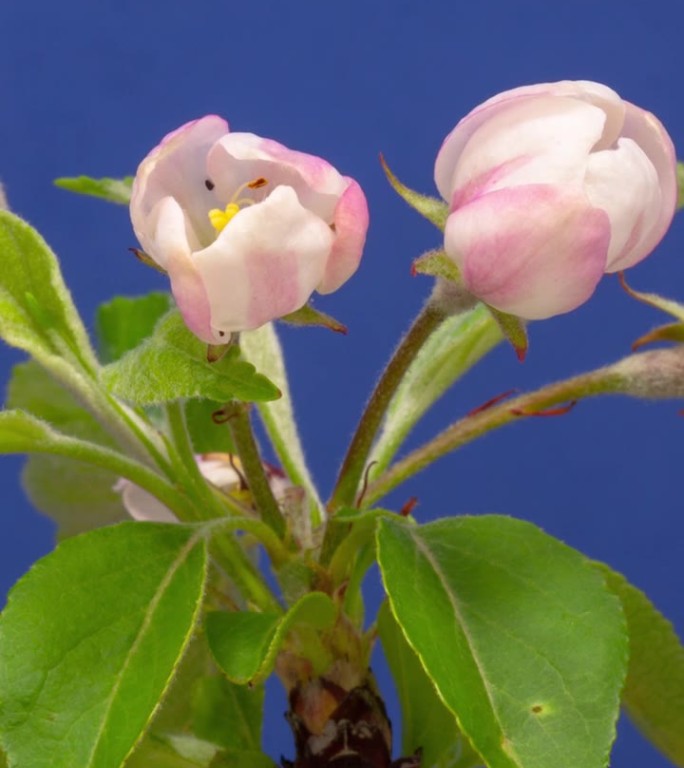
90 87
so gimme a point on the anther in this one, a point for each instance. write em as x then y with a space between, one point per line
209 184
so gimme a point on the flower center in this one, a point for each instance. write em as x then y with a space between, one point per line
220 218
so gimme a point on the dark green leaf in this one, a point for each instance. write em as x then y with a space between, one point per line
654 691
518 633
124 322
432 208
171 364
36 310
426 724
90 640
245 645
77 496
112 190
207 436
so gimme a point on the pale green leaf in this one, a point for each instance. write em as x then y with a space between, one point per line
124 322
262 348
206 435
458 343
112 190
519 634
245 645
77 496
36 310
171 364
90 639
654 692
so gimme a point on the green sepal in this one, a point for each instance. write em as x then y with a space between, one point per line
653 695
124 322
433 209
680 186
171 364
514 329
518 633
103 612
673 332
307 316
437 264
653 300
245 645
111 190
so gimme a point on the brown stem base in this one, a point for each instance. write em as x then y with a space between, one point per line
337 728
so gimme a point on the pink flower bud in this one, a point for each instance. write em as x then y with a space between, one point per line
246 228
550 186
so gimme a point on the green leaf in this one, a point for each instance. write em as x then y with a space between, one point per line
262 348
124 322
514 329
426 724
90 639
654 691
172 751
517 631
36 310
432 208
308 316
227 714
112 190
245 645
77 496
234 758
171 364
458 343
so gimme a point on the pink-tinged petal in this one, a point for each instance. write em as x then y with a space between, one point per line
170 238
178 168
650 134
542 140
141 505
351 225
534 251
623 182
238 158
265 264
593 93
217 469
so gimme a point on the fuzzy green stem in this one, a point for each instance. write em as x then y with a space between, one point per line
239 421
599 382
355 461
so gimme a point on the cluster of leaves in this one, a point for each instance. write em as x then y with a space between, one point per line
508 647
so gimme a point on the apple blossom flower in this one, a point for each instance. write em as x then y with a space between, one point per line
549 187
246 228
217 468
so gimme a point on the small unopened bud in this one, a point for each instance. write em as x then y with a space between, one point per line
658 374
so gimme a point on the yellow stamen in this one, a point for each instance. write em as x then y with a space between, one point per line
220 218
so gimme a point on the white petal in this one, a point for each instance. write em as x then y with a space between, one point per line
544 140
624 183
239 158
141 505
265 263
